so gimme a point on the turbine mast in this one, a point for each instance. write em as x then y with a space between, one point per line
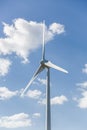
48 108
43 47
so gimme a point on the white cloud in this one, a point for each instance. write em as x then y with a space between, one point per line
42 81
42 101
84 70
57 28
36 115
4 66
35 94
58 100
55 100
82 85
23 37
82 102
5 93
15 121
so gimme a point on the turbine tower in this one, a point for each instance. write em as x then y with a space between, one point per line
45 64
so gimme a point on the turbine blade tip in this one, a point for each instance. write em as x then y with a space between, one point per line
22 95
67 72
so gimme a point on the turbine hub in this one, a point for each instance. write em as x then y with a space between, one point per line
43 61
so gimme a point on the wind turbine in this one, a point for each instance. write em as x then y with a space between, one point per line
45 64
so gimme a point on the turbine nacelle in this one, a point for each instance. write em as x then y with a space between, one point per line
43 62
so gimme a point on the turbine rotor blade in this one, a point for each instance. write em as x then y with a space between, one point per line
51 65
43 46
41 68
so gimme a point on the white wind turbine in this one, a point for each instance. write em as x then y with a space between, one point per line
45 64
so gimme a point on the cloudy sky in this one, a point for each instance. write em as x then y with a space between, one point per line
20 54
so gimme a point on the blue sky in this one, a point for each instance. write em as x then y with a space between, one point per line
20 54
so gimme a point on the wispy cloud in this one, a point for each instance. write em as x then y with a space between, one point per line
15 121
82 85
84 70
5 93
36 115
35 94
42 101
4 66
23 37
58 100
42 81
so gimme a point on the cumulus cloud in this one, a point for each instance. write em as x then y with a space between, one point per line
56 28
35 94
15 121
4 66
84 70
23 37
58 100
5 93
82 102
